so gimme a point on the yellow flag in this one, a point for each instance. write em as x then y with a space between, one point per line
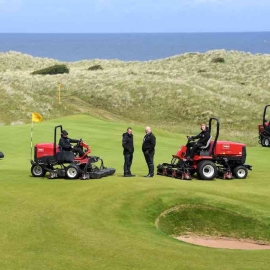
36 117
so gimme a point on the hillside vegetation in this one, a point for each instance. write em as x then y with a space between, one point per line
175 93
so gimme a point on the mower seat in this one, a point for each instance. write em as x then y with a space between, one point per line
64 157
204 149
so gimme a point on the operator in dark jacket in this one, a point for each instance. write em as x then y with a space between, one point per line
127 143
266 126
203 137
65 144
148 148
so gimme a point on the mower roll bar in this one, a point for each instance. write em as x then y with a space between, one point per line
264 113
55 132
217 133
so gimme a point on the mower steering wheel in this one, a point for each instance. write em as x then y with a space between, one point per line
79 142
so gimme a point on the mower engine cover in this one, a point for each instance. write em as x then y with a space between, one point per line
227 149
44 150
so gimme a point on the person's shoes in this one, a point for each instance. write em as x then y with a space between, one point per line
127 175
149 175
132 175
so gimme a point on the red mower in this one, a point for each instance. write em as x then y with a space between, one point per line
223 159
65 164
264 130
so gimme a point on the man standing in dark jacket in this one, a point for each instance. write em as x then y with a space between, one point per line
65 144
203 137
148 148
127 143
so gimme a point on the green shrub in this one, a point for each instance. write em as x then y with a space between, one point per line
56 69
218 60
202 70
96 67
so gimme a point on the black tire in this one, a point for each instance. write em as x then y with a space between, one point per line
207 170
240 172
37 170
72 172
266 141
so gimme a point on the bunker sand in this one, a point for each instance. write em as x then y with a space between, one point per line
224 242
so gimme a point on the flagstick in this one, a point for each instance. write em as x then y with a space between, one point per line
31 140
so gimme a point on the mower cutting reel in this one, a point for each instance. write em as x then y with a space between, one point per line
176 169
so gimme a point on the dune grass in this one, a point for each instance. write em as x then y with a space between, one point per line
110 223
176 93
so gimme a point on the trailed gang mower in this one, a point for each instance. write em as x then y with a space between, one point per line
222 159
65 164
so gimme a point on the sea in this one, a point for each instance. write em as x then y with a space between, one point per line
133 46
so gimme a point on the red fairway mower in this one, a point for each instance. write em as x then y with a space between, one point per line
222 159
264 130
64 164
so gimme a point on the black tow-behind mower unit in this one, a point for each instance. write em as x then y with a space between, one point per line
65 164
223 159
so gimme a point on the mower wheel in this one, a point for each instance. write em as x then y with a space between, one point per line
266 141
240 172
72 172
207 170
37 170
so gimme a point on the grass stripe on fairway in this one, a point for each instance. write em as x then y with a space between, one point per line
110 223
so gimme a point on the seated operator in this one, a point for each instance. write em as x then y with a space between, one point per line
203 137
65 144
266 126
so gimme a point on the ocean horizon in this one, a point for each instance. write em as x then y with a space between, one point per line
70 47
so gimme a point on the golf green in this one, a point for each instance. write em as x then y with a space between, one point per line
110 223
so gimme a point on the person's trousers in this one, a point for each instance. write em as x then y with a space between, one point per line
77 150
192 148
128 162
149 158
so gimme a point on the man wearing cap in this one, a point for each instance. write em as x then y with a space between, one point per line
65 144
127 143
148 148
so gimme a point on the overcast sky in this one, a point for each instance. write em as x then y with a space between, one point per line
130 16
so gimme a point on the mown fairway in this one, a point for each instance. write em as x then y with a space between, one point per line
110 223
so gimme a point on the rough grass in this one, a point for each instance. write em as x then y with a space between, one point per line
176 93
110 223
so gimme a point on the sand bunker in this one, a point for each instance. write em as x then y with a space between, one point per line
224 242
